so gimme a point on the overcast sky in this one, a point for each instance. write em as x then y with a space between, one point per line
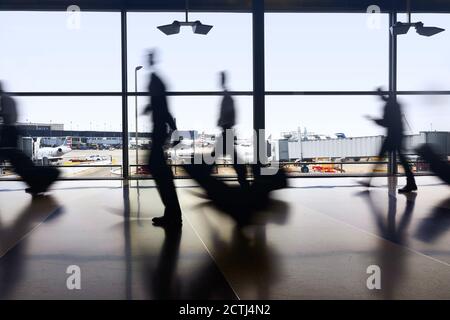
303 52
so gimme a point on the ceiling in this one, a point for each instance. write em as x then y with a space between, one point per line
228 5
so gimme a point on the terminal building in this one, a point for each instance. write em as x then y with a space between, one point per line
53 134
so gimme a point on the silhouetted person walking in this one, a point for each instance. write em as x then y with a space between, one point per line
392 121
161 172
8 115
38 179
227 121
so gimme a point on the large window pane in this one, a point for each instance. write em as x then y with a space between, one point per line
196 119
312 51
90 126
39 52
188 61
426 121
423 62
323 115
426 113
332 129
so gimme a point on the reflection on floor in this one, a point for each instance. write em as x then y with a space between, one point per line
315 241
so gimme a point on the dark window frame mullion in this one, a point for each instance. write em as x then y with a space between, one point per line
220 93
124 71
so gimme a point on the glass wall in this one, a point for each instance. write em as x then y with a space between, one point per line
188 61
46 56
423 62
321 73
190 64
196 118
325 53
42 52
81 135
423 65
329 132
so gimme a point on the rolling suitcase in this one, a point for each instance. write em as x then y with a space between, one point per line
37 178
439 166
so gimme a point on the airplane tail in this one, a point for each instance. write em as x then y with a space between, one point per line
68 142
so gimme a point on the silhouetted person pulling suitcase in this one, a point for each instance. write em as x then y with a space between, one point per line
392 121
38 179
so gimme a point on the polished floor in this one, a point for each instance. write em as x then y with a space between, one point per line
315 240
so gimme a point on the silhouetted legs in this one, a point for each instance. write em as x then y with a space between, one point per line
381 154
241 171
163 177
406 166
410 181
238 164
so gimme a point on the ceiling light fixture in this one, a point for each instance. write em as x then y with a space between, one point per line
174 27
403 27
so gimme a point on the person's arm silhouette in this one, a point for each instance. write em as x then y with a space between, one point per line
170 121
384 122
148 109
381 122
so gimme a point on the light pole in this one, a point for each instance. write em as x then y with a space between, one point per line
136 115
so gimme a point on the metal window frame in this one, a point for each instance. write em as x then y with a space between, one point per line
258 93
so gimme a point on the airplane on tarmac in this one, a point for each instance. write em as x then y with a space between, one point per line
51 154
